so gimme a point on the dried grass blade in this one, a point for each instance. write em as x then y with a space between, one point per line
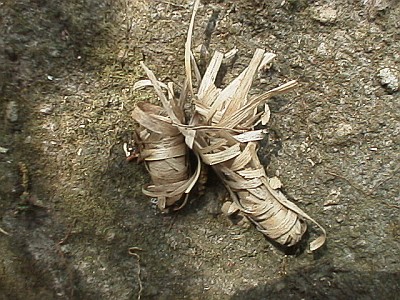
248 136
268 57
168 106
210 75
188 46
223 98
240 97
146 83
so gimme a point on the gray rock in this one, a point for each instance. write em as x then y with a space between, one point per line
324 14
389 79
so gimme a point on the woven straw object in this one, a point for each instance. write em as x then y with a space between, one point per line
229 143
221 132
162 147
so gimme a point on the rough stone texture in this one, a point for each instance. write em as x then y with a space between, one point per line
324 14
389 79
334 143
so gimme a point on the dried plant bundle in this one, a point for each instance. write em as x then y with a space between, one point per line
162 147
224 121
230 143
221 132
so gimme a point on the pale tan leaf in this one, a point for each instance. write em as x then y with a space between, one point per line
249 136
224 97
188 52
266 115
240 97
171 111
230 53
215 158
275 183
171 95
146 83
210 74
268 57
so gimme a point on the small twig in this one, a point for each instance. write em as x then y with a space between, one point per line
64 239
350 183
391 205
132 251
3 231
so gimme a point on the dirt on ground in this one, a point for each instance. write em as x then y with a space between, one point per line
74 222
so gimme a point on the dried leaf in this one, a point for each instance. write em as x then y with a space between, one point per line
249 136
146 83
268 57
275 183
266 115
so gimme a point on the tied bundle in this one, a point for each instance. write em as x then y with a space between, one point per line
229 144
220 132
162 147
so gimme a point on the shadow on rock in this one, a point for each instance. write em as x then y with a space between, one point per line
326 282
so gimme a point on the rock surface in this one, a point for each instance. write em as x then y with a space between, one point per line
389 79
79 226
